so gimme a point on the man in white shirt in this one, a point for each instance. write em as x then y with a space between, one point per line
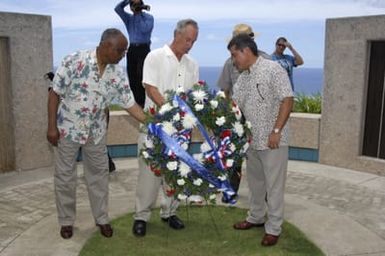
166 68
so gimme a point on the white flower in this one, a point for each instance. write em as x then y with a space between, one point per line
237 112
165 108
181 182
214 104
168 128
179 90
199 107
232 147
221 94
238 115
184 145
188 121
222 177
205 147
238 128
172 166
199 95
148 143
198 182
213 196
211 186
245 147
229 162
175 103
182 196
248 124
176 117
220 121
235 109
145 154
184 169
195 199
198 157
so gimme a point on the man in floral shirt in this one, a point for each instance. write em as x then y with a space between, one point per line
263 92
85 84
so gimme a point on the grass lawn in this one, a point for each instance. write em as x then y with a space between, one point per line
208 231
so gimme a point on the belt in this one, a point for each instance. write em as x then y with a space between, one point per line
138 45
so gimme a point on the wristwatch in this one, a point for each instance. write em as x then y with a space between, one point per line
276 130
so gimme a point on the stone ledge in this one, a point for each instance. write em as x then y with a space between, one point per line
304 130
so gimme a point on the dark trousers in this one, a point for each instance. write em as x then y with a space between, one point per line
135 58
235 176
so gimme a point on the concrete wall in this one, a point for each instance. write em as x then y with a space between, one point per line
344 94
30 53
304 130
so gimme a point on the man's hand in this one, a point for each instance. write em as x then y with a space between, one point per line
53 136
274 139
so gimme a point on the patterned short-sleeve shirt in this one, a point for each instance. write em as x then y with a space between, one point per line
259 93
85 95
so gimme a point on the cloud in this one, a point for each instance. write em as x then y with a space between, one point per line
213 37
72 14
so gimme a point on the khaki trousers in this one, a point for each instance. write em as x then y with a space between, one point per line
96 175
266 172
147 190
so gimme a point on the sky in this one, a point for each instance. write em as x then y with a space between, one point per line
78 24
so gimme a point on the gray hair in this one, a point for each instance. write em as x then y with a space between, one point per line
182 24
110 33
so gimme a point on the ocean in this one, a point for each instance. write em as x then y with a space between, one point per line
307 81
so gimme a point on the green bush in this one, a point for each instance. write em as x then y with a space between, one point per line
308 103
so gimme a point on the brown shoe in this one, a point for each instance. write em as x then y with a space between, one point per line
243 225
105 230
269 240
66 232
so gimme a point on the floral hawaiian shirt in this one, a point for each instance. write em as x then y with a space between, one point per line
85 95
259 92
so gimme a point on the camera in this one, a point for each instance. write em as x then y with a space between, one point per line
137 7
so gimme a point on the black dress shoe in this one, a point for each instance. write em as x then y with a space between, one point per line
174 222
105 229
139 228
66 232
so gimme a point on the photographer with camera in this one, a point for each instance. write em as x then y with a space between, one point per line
139 27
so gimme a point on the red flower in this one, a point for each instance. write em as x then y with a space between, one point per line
201 82
172 156
156 171
80 66
182 113
211 159
85 109
84 85
170 192
225 133
152 111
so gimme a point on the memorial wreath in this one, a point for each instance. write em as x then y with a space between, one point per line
166 148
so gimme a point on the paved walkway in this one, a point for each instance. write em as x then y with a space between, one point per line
342 211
